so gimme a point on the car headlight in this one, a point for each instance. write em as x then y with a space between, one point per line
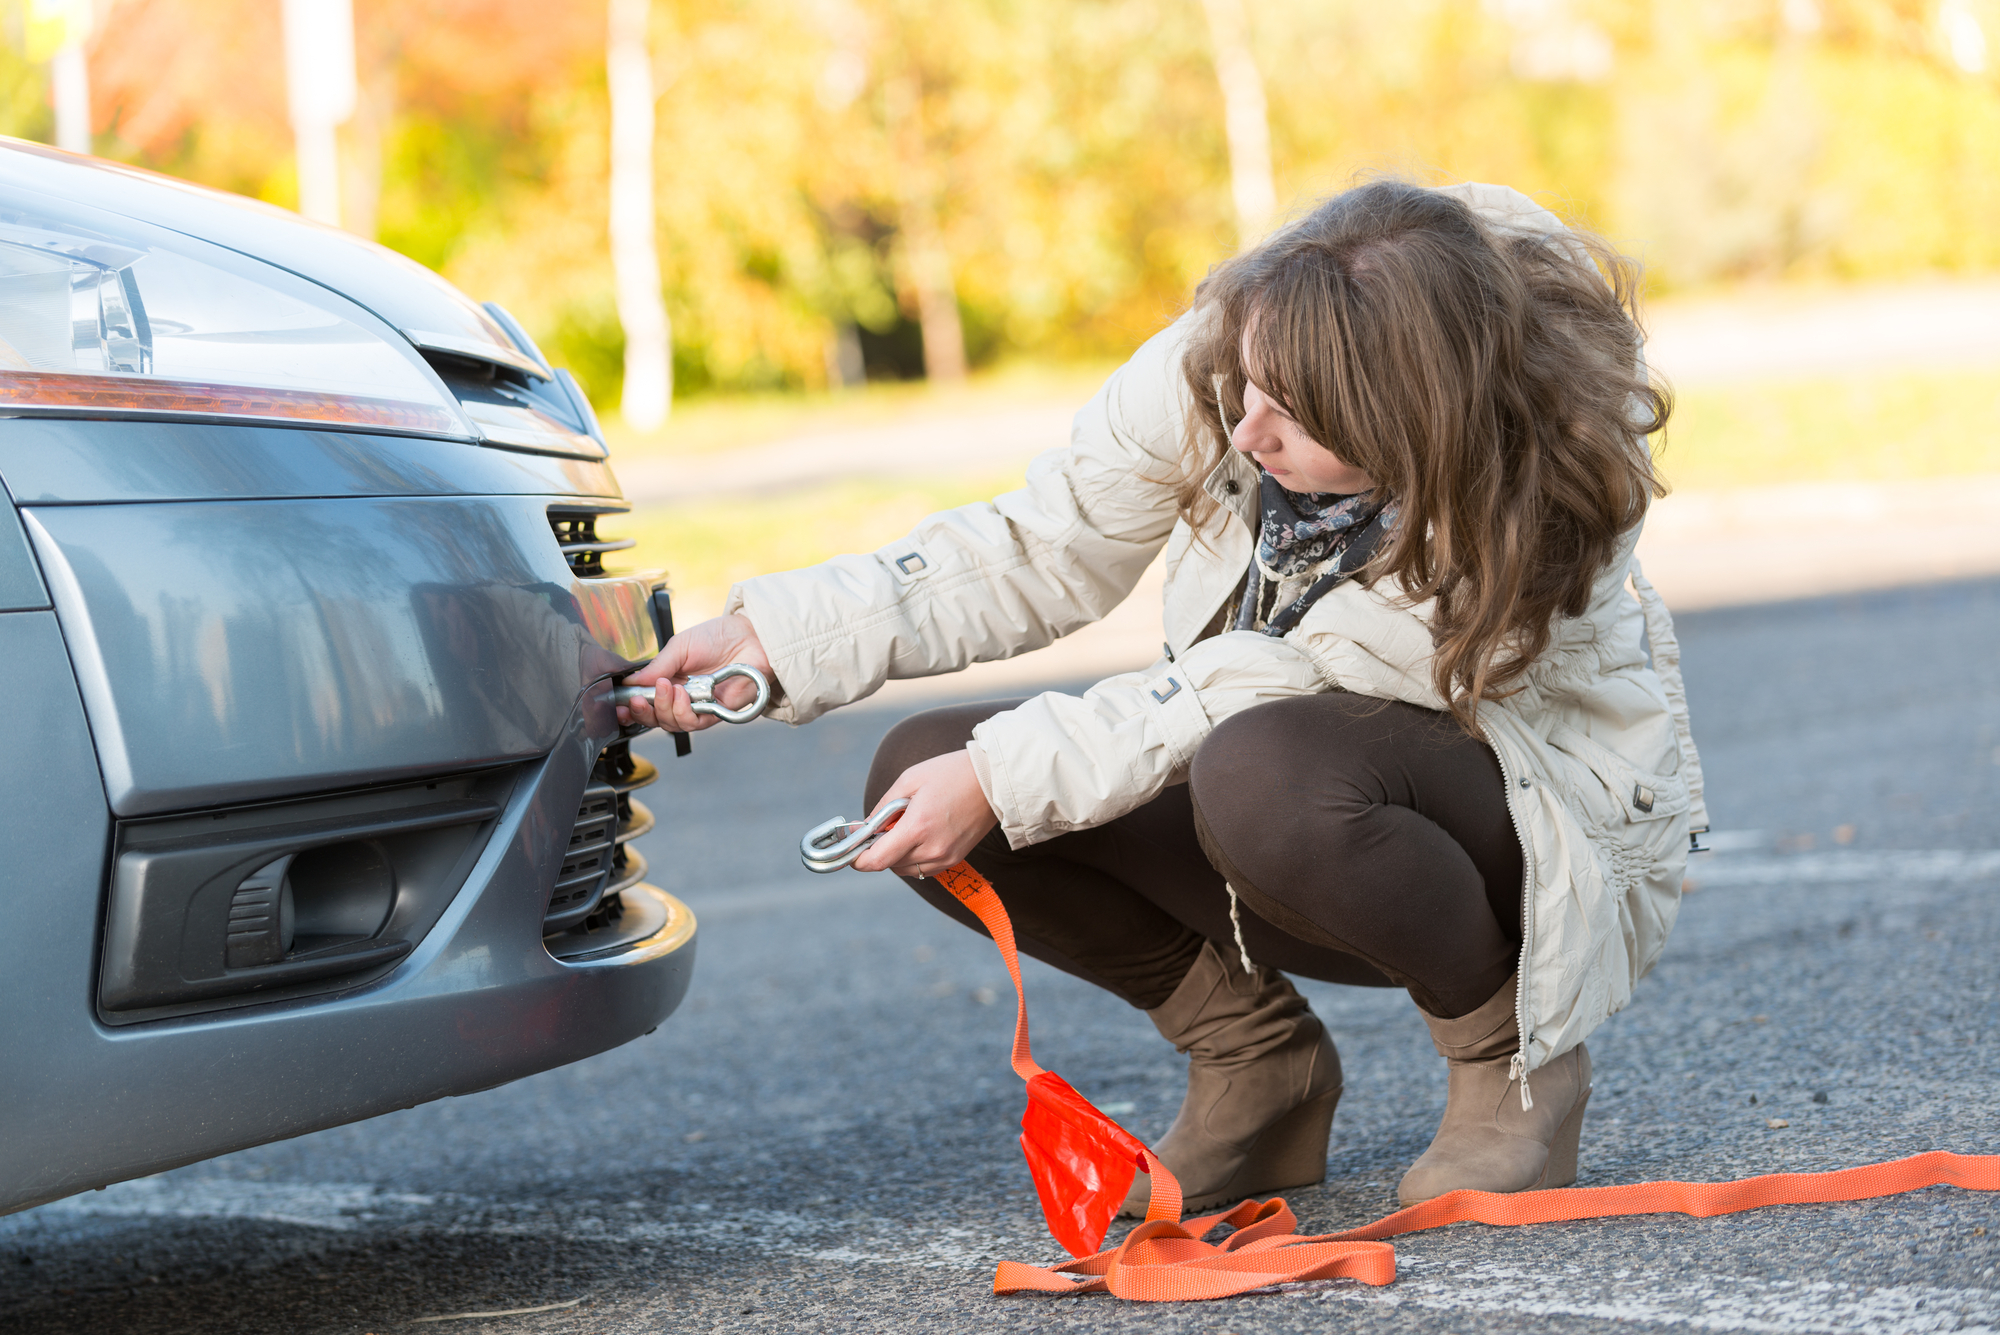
102 315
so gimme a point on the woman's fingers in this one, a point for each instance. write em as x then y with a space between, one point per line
707 647
947 815
896 847
657 710
669 707
899 847
713 644
680 715
641 710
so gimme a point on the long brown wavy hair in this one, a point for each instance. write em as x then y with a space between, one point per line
1487 378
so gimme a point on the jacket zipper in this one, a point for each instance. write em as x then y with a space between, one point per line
1517 1069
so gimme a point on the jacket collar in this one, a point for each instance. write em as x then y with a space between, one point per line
1232 484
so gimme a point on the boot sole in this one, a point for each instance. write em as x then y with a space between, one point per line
1291 1152
1560 1171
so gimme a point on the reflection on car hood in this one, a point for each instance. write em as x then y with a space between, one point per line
429 311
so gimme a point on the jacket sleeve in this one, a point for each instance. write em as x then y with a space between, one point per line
1064 762
995 579
1365 639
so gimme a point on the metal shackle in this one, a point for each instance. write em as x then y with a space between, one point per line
836 844
701 690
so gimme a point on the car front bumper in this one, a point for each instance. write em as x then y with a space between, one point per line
479 1002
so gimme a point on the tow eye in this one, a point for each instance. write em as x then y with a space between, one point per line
701 690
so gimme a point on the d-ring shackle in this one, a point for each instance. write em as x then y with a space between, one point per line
838 842
701 690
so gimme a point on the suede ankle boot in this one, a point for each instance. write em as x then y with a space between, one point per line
1263 1078
1487 1140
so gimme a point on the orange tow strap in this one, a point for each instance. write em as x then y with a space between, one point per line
1084 1163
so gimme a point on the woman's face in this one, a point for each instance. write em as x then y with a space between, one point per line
1281 447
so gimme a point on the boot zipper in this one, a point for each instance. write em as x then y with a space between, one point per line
1517 1069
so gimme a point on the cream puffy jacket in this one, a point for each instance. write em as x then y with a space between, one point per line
1601 773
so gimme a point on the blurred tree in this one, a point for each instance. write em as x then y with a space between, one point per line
320 92
913 81
196 88
635 255
1053 176
1245 117
59 32
1723 137
926 263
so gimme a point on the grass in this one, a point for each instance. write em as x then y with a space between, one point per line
1856 428
1862 428
708 546
717 423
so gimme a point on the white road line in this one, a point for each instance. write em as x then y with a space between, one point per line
1713 1302
504 1311
1943 864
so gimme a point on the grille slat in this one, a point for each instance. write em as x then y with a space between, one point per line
599 862
627 871
634 819
576 536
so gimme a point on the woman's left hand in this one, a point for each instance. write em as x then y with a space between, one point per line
947 815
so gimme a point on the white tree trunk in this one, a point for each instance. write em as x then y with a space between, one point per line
635 256
320 86
317 150
65 26
361 143
70 73
1245 118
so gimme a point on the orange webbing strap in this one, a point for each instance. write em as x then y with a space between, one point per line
977 893
1162 1260
1170 1263
1703 1200
974 891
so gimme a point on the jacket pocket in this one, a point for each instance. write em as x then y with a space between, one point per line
1629 794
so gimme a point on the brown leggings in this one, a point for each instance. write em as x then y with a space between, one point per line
1368 840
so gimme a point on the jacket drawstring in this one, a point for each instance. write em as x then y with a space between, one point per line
1236 921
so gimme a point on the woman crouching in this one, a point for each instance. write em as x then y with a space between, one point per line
1405 732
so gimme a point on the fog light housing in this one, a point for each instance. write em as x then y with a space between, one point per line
308 903
226 908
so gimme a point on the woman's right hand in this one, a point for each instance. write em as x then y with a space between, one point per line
714 644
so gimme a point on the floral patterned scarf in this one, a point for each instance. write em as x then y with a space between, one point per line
1304 530
1301 538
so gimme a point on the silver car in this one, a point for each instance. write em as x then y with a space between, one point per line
315 804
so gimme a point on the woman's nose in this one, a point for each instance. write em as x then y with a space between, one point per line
1253 435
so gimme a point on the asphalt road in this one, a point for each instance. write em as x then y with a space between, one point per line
822 1138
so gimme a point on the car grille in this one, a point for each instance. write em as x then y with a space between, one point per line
600 861
576 535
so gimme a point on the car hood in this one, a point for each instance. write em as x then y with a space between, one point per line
428 311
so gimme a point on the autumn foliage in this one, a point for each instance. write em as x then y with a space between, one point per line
1060 165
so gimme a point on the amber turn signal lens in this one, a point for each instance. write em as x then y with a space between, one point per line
124 395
